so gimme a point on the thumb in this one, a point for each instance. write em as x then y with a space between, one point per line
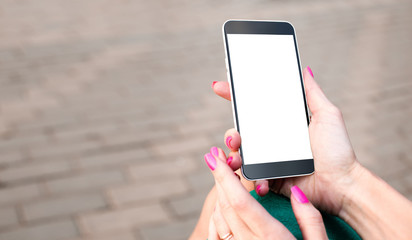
314 94
308 217
222 89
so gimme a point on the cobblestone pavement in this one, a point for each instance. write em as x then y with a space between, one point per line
106 107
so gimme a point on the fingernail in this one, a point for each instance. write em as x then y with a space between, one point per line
213 83
229 160
310 71
258 189
214 151
210 161
299 195
228 140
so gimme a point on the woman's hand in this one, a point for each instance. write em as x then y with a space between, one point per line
239 216
335 160
340 185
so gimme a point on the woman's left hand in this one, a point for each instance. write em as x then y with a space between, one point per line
239 216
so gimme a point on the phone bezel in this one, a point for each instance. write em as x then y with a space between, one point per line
289 168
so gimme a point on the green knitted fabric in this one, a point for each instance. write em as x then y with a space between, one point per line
280 208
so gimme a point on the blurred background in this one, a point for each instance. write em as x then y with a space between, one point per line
106 107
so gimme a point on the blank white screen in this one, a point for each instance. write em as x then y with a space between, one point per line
270 105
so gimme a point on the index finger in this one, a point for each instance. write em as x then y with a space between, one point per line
248 209
232 139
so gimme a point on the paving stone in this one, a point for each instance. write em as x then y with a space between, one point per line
384 167
129 235
181 146
122 219
55 230
135 137
110 159
200 127
19 193
175 230
201 180
162 169
84 129
34 170
59 149
8 217
85 181
189 205
18 140
148 190
156 122
397 183
62 206
11 157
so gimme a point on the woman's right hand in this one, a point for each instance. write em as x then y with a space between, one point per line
340 185
335 162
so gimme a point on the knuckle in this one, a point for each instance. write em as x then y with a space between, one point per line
229 131
335 111
219 176
316 216
270 234
312 220
240 204
215 218
224 206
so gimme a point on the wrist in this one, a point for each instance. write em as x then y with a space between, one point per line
356 177
374 208
344 186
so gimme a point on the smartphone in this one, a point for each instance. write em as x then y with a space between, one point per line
268 99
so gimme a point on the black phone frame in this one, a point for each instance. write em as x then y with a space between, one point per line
289 168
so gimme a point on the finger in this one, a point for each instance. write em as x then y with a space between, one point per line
222 89
234 161
276 185
217 152
246 207
314 94
232 139
262 187
308 217
220 223
237 226
212 230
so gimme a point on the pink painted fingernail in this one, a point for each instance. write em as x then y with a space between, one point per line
299 195
229 160
210 161
214 151
258 189
213 84
310 71
228 140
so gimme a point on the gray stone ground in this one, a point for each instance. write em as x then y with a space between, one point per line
106 107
